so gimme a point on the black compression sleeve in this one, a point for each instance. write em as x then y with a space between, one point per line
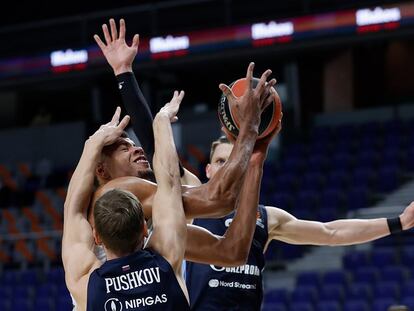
139 111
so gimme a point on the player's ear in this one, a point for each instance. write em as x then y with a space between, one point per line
208 170
145 230
101 171
96 237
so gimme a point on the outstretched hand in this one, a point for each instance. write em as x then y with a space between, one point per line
108 133
171 108
248 107
116 51
407 217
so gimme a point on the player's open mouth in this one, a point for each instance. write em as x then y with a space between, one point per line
141 159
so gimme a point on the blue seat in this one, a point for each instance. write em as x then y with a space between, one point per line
355 259
367 274
394 273
43 304
274 307
358 197
326 214
307 199
308 278
328 306
276 296
388 179
22 305
408 301
407 257
362 291
338 179
5 305
56 276
364 177
342 161
318 163
382 304
389 290
407 289
332 292
282 200
356 305
381 257
332 199
312 181
336 277
308 294
301 306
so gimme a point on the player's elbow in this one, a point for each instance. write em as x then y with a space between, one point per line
236 257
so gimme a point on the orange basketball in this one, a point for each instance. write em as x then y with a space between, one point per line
269 119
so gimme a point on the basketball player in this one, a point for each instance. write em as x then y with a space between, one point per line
134 278
273 223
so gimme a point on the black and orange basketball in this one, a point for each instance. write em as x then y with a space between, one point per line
269 119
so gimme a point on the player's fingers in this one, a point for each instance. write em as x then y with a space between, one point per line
116 116
262 82
99 42
114 32
226 91
249 75
135 41
122 28
106 34
124 122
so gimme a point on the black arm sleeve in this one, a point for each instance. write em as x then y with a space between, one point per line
140 113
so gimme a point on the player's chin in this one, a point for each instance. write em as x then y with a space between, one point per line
146 173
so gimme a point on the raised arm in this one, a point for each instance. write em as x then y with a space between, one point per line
233 248
217 197
120 57
168 218
78 242
285 227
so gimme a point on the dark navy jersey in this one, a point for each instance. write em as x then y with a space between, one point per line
240 288
143 280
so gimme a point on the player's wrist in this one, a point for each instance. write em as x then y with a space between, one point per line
122 69
395 225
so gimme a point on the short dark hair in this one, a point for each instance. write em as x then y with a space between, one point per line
119 221
221 140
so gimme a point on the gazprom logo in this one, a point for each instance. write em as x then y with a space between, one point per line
113 304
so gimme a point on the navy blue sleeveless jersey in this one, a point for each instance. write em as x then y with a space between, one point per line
143 280
240 288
